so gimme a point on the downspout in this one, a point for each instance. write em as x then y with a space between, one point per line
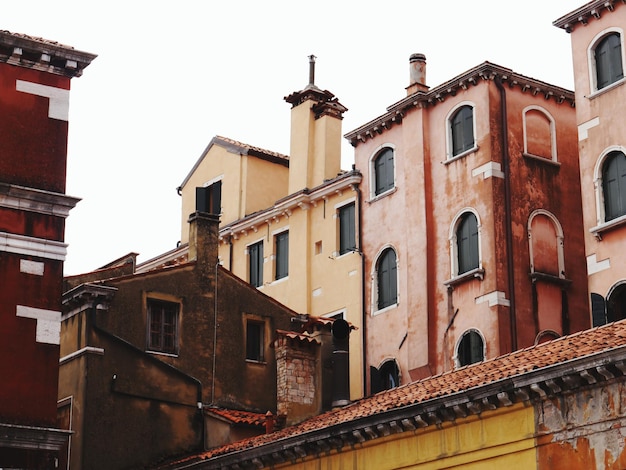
359 197
214 336
507 211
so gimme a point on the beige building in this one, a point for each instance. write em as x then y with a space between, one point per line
288 225
597 32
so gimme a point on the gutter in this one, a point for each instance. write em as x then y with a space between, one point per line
508 230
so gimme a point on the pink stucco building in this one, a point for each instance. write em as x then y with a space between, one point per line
597 34
471 225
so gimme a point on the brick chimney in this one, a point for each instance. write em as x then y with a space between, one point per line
203 240
298 376
417 74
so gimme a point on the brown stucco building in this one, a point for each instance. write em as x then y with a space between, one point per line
178 358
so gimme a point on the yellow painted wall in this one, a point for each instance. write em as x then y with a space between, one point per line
501 439
249 184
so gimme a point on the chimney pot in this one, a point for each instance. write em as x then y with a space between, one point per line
417 69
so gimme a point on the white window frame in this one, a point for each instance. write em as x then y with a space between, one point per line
559 235
591 61
599 190
454 250
455 358
374 282
553 146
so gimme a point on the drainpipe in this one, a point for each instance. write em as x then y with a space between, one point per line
214 337
359 197
507 211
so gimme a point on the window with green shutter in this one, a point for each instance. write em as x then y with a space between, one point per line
282 255
387 275
614 185
608 57
384 171
462 130
255 257
467 243
347 229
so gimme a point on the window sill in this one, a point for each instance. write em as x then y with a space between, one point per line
386 309
607 88
461 155
598 230
550 278
376 197
545 160
161 353
258 363
477 273
278 281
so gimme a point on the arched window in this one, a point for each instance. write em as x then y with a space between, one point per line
471 348
386 377
613 309
539 133
614 185
387 279
467 243
608 60
545 239
384 173
462 130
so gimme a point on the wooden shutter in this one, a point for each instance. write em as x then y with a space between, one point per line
282 255
387 279
347 229
202 200
614 186
467 243
598 310
255 253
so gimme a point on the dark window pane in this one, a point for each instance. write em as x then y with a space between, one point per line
471 348
614 186
254 341
598 310
608 56
462 129
387 279
255 253
467 243
384 171
347 227
209 198
163 326
282 255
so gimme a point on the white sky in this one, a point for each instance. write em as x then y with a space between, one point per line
171 75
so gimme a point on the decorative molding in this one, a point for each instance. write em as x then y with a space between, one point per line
488 170
81 352
494 298
31 246
59 105
595 266
32 267
36 200
48 323
583 129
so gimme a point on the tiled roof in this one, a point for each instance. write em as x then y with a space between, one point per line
502 377
239 417
251 149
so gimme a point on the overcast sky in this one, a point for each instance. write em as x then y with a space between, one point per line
171 75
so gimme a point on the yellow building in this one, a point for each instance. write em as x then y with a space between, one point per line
288 225
557 405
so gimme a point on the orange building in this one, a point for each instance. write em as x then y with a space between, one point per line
597 32
476 184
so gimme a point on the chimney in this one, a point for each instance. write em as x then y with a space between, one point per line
203 240
417 76
341 362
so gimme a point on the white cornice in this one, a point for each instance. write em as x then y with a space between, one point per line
36 200
31 246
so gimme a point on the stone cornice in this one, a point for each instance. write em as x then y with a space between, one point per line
284 207
36 200
326 104
483 73
42 54
584 14
86 296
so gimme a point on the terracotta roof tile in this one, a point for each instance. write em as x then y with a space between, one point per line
239 416
248 147
551 353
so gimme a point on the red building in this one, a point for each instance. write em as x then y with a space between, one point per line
35 79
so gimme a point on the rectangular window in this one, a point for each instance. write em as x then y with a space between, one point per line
209 198
282 255
347 227
254 341
255 256
163 326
